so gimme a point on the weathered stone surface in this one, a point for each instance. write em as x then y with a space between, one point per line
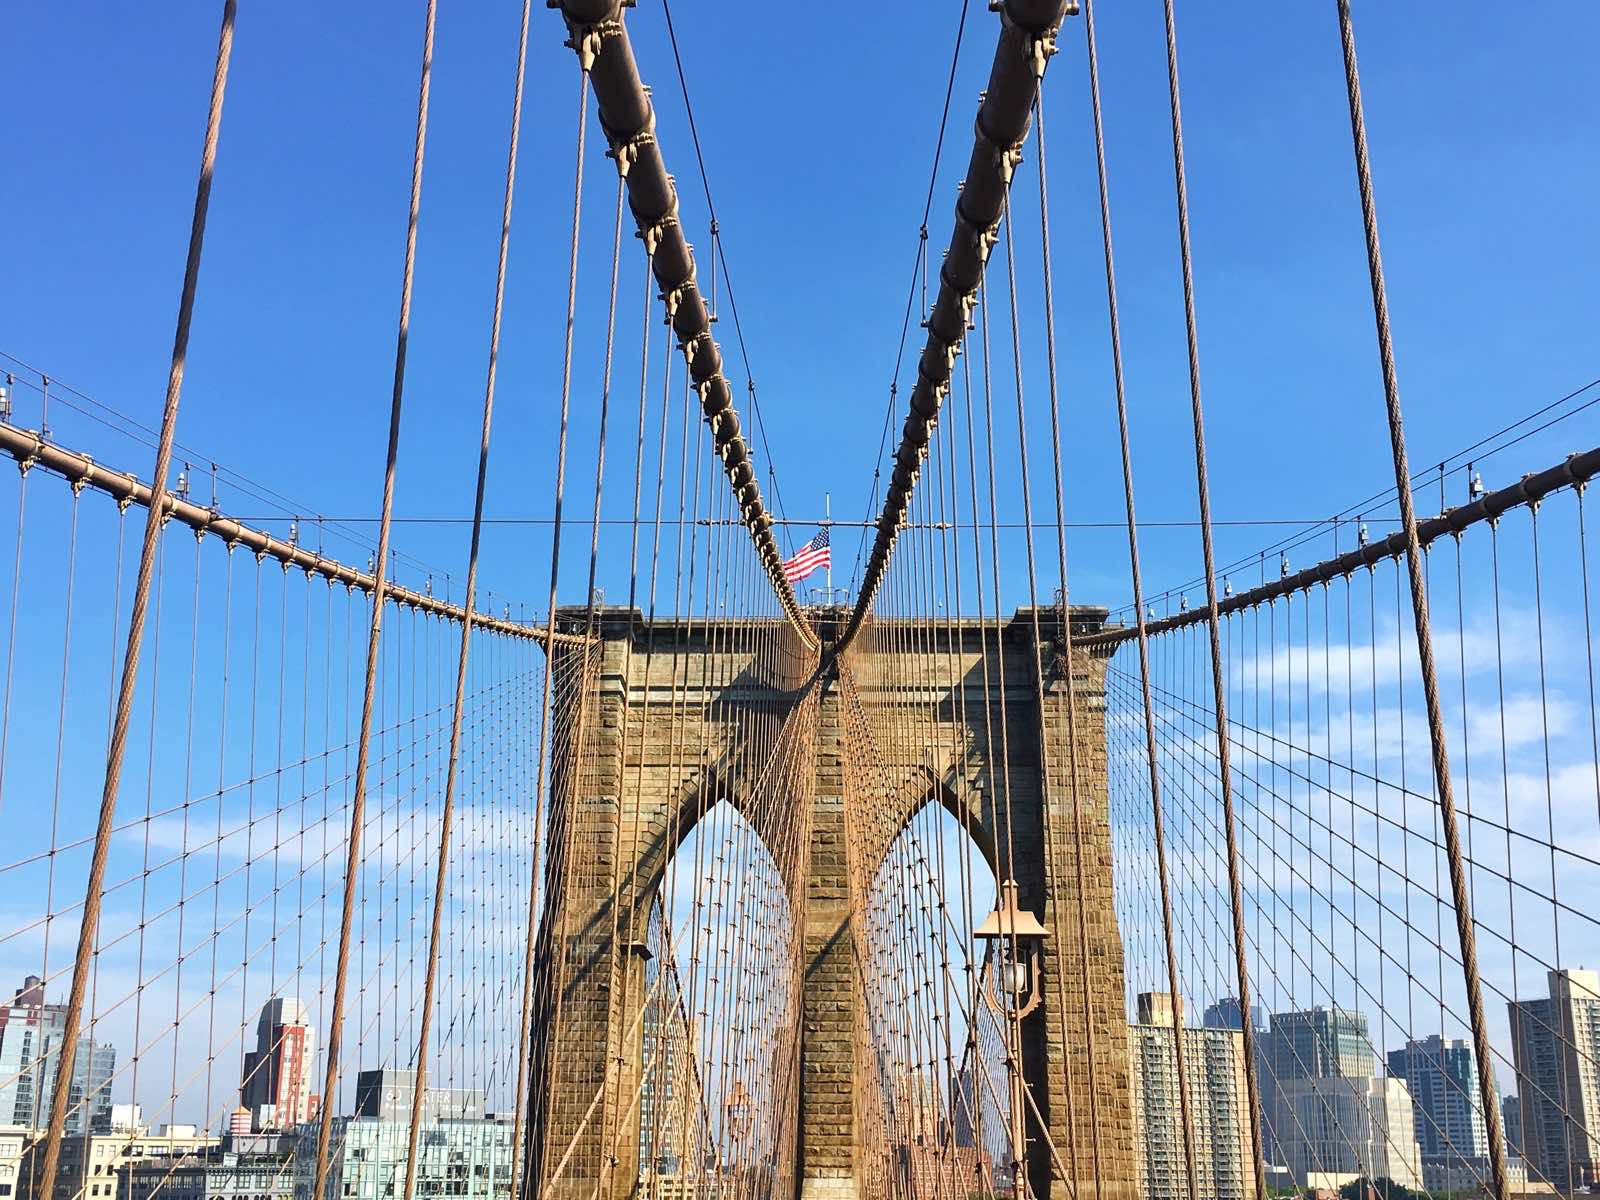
972 715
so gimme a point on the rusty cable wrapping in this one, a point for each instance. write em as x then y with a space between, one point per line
29 449
1574 471
127 689
1025 45
1437 733
601 41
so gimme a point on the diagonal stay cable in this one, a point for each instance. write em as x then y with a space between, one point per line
419 1084
722 258
375 630
1022 51
147 563
1419 604
628 118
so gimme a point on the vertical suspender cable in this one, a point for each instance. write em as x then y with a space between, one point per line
1158 823
1074 777
154 519
375 629
1218 687
426 1021
1419 609
586 48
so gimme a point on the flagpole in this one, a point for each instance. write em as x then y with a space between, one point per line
827 523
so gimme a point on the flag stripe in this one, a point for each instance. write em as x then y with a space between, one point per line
810 558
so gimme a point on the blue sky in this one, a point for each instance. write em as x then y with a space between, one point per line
818 137
818 134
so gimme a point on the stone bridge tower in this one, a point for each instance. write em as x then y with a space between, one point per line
642 752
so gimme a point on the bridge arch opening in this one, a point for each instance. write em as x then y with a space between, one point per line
934 1046
721 1045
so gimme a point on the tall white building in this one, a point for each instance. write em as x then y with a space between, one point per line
1219 1110
1362 1125
1555 1043
1442 1077
31 1033
1329 1112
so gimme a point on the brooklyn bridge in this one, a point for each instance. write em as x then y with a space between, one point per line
677 871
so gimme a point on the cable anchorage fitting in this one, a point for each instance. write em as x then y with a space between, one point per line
652 234
1042 46
586 40
625 151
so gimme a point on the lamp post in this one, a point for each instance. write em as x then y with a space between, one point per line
1015 980
1014 990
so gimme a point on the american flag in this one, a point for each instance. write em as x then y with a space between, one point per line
813 556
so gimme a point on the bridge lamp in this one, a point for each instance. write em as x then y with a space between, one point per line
1020 937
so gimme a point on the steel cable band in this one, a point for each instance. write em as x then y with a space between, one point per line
628 119
1575 470
1024 47
30 450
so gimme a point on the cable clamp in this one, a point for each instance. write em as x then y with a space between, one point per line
586 40
626 151
985 239
672 297
689 345
1007 161
25 464
652 233
1042 48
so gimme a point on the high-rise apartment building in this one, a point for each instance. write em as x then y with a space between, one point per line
1228 1014
1327 1109
1511 1124
275 1084
1218 1105
1337 1126
1442 1077
671 1097
1555 1044
31 1033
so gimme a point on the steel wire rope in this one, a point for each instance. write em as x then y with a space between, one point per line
125 695
1208 554
443 854
1157 828
1035 665
1362 509
720 254
375 631
589 617
288 507
989 687
939 868
1298 958
1419 604
11 636
951 548
1069 684
585 51
61 730
1197 775
919 265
